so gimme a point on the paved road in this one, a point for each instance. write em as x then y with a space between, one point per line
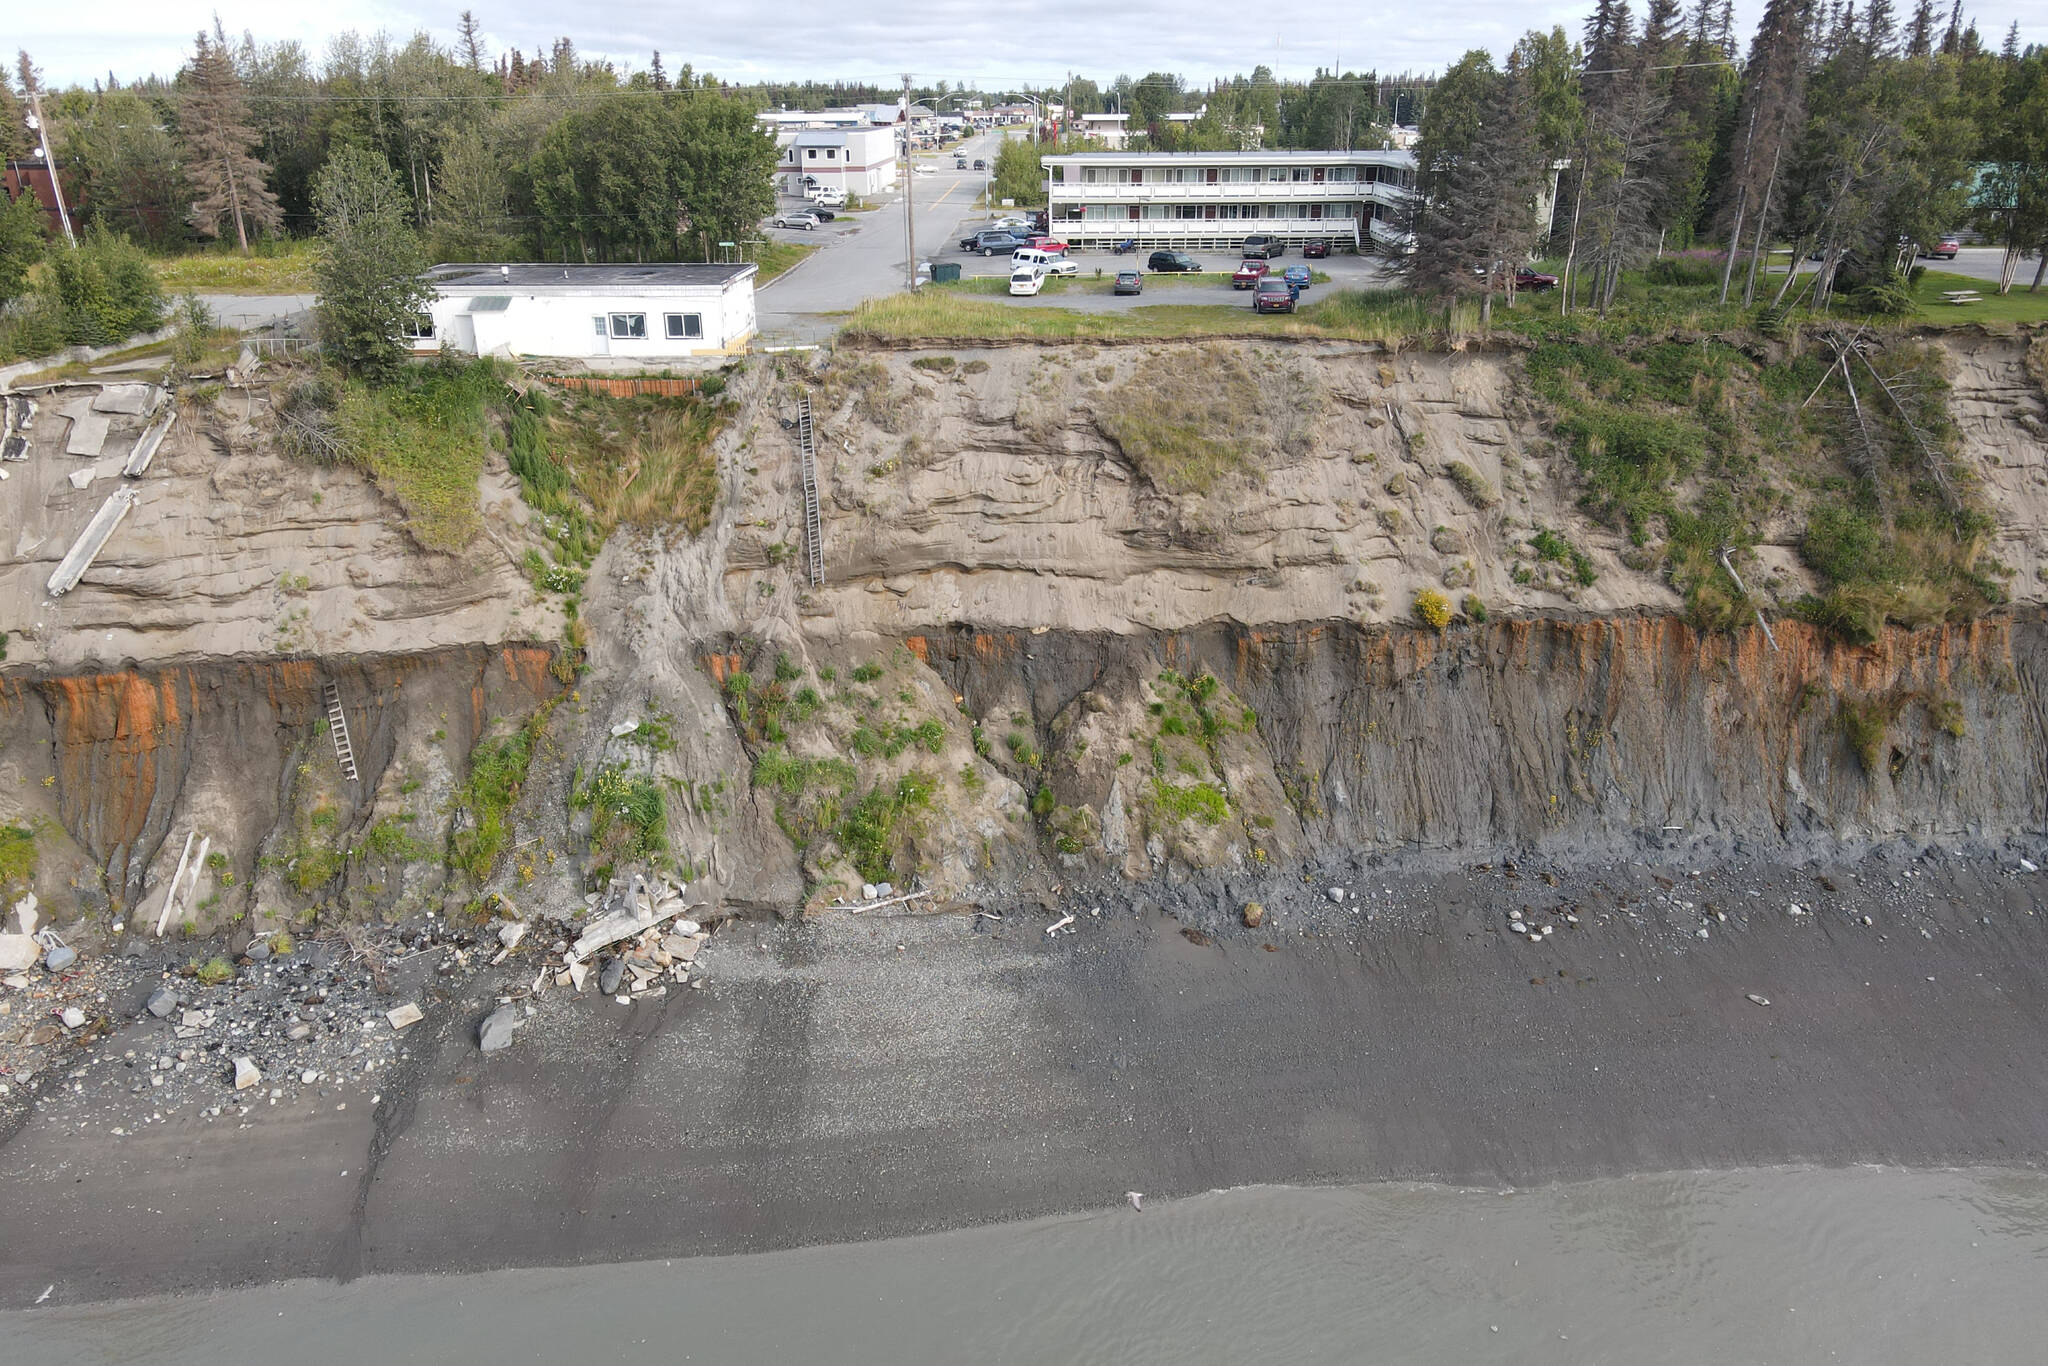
863 255
1984 263
250 311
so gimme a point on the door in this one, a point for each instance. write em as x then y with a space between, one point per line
602 342
1210 175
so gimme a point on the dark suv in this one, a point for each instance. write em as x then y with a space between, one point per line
1171 261
1264 248
989 241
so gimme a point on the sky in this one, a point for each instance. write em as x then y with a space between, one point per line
960 41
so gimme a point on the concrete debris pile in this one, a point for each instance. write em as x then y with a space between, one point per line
642 926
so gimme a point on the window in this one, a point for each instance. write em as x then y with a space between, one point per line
831 154
629 324
599 320
685 326
813 153
420 327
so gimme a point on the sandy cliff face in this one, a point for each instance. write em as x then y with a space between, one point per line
114 769
235 551
1048 645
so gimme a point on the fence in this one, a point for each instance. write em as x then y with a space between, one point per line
630 386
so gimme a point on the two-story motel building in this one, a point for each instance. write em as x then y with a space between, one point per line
1214 200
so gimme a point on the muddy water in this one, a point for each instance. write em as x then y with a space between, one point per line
1778 1265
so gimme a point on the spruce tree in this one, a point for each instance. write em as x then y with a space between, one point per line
231 181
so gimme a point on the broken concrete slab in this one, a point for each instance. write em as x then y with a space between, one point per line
162 1001
406 1015
150 441
80 478
89 544
88 434
132 399
246 1073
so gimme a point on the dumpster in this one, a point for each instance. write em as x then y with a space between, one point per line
945 272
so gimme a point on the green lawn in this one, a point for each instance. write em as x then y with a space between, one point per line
2020 306
946 314
776 257
272 268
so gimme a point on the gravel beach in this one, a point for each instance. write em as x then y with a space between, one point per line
855 1077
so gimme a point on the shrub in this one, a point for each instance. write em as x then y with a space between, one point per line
1203 802
1478 490
1548 545
1475 608
17 856
1433 609
104 290
1686 268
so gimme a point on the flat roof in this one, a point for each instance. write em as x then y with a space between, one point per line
1371 156
536 278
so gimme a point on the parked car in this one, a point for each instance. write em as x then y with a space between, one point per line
831 196
1298 277
795 218
1944 250
1535 281
1261 248
1169 261
1273 296
1316 248
1045 243
1248 274
1062 265
1027 279
1128 282
989 241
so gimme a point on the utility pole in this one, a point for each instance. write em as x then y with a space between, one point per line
42 130
909 181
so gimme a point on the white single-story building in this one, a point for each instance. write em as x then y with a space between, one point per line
859 161
645 314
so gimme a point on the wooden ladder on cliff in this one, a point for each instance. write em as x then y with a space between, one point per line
337 727
807 455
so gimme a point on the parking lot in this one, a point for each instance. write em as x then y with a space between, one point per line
862 256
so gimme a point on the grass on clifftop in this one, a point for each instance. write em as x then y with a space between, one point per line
272 267
422 439
643 461
940 316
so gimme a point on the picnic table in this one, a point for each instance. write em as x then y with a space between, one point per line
1962 296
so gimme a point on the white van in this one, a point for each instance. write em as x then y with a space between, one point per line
827 196
1026 279
1032 256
